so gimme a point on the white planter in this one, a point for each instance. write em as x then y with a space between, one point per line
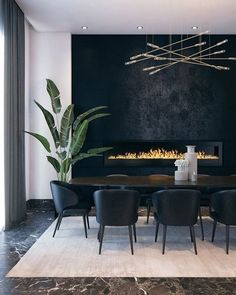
181 175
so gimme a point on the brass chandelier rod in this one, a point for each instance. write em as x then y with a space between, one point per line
147 56
174 57
189 57
174 43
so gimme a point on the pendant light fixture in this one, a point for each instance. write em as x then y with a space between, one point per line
174 53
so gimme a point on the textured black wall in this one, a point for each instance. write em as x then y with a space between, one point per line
183 102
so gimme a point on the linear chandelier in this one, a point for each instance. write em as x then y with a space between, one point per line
165 57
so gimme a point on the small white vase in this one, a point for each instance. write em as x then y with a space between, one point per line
181 175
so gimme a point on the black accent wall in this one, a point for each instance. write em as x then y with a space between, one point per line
183 102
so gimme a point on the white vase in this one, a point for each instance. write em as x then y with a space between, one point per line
181 175
191 156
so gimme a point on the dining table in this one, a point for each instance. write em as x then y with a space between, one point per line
206 183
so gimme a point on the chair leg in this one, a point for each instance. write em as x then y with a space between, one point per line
101 238
85 226
201 224
164 239
213 231
87 217
55 214
99 232
134 230
194 239
191 235
131 239
148 212
227 239
58 220
156 231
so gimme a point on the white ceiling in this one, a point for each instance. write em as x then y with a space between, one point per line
123 16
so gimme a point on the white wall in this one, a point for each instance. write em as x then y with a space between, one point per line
48 56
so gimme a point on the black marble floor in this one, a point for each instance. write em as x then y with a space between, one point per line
15 243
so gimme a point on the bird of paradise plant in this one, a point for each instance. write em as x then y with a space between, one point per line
68 135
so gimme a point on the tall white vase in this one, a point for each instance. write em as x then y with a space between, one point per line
191 156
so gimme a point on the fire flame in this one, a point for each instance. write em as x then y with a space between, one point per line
160 153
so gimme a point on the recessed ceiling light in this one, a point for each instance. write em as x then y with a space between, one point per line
84 27
194 27
139 27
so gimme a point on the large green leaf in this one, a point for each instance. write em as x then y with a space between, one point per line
54 163
96 152
99 150
66 164
51 124
66 123
78 137
55 96
42 139
61 155
81 117
94 117
82 156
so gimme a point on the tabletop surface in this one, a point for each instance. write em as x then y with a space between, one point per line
155 181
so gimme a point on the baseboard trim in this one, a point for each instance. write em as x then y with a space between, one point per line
40 204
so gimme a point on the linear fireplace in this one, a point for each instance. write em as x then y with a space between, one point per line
161 153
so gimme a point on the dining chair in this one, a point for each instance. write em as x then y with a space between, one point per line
117 175
68 203
149 198
223 210
115 207
176 207
205 198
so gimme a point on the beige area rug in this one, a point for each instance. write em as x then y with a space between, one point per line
69 254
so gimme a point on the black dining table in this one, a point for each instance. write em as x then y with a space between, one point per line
204 182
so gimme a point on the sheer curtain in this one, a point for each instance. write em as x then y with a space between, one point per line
2 182
14 100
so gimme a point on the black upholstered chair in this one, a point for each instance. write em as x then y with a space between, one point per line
116 207
68 203
176 207
223 210
149 198
114 176
205 197
117 175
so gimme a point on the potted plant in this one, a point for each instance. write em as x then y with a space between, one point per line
69 134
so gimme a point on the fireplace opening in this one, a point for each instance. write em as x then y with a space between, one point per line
161 153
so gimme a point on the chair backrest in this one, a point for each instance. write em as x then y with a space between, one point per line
177 206
63 197
116 207
117 175
161 175
224 204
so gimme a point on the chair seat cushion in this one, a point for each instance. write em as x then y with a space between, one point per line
214 215
75 211
83 205
120 222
